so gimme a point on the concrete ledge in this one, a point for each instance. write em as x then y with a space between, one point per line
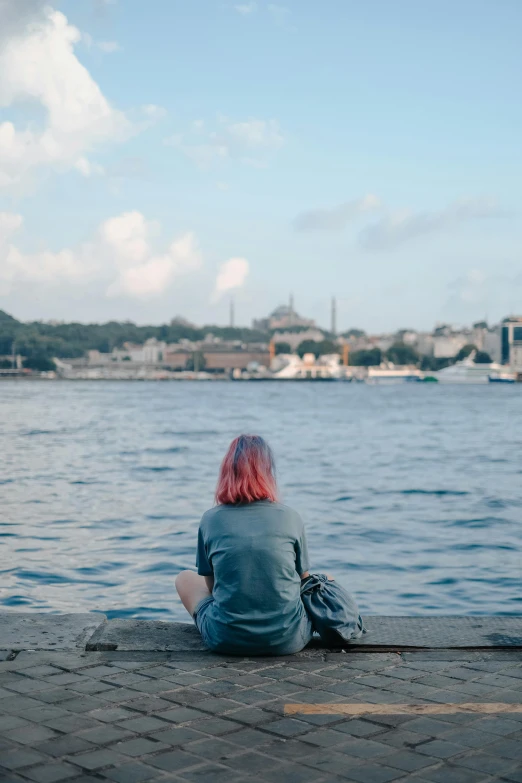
384 633
92 632
39 631
146 635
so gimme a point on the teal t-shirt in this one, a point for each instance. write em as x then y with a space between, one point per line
256 553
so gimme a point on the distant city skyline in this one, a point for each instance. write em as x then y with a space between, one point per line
167 159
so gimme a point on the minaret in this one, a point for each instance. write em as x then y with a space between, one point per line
291 303
334 317
232 313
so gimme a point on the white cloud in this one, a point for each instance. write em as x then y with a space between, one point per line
88 169
251 142
38 65
246 8
336 218
120 256
232 274
399 227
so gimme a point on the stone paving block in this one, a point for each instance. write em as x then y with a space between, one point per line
185 696
433 727
64 746
140 746
55 696
451 774
51 773
28 685
507 748
441 749
358 728
181 715
291 774
43 713
250 738
514 775
71 723
91 687
212 749
118 695
105 734
97 759
210 773
30 735
82 703
373 773
252 763
178 735
252 716
135 772
253 697
111 714
148 704
470 738
280 688
20 758
325 738
218 706
143 724
484 762
330 762
321 720
364 748
409 761
11 722
174 761
218 726
400 738
287 727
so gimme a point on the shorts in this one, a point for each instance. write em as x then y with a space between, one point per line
231 646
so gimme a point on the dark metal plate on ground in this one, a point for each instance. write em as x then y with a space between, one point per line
442 632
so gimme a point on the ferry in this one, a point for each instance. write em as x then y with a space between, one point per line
391 374
467 371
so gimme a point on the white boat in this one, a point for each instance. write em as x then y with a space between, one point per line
392 374
467 371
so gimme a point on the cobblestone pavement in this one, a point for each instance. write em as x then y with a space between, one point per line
131 717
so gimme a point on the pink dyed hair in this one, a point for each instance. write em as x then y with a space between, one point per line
247 472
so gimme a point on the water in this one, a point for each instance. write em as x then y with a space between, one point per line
412 495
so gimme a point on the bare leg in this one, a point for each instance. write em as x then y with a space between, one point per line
192 589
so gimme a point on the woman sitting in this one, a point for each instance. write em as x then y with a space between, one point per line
251 557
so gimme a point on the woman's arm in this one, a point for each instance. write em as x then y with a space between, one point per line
306 573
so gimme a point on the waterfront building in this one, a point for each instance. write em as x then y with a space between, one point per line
448 346
511 342
294 339
283 317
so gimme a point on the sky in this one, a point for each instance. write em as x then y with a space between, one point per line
159 159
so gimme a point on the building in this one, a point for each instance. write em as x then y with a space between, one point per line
217 357
511 342
283 317
294 339
448 346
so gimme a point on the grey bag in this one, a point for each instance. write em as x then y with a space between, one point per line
332 610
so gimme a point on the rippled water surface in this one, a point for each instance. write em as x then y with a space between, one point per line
412 495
